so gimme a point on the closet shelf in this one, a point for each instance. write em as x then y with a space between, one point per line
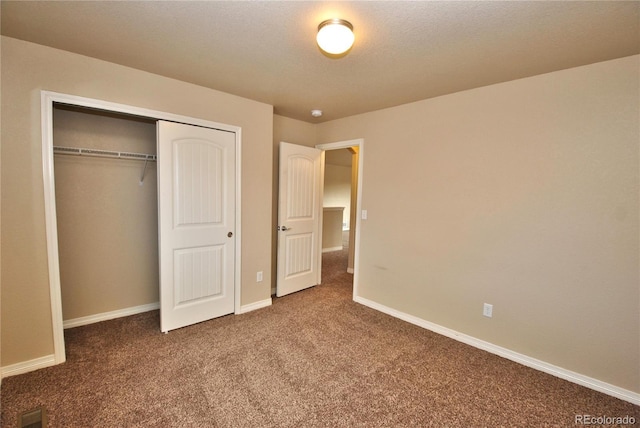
78 151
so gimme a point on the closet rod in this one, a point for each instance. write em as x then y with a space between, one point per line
78 151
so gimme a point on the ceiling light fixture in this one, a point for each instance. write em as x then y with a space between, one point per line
335 36
316 113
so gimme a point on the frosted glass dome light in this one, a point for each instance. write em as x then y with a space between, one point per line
335 36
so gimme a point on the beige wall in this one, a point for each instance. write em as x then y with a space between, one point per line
353 215
524 195
332 228
107 220
28 68
337 189
289 131
0 212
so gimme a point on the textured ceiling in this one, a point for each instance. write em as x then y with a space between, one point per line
266 51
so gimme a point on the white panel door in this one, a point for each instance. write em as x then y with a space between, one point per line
196 222
299 211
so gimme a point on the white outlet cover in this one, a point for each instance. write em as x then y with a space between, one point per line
487 310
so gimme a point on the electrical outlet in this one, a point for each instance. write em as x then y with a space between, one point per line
487 310
259 277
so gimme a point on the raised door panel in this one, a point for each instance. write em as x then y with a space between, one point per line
299 218
196 196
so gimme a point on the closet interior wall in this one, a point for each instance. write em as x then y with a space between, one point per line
107 219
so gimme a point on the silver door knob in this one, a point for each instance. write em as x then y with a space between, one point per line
285 228
230 234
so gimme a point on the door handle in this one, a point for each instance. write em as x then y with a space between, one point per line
284 228
230 234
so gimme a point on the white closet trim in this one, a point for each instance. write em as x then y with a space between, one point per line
48 99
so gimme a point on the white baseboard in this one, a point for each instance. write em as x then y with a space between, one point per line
349 270
253 306
28 366
589 382
90 319
330 249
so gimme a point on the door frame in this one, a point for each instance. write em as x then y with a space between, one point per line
47 101
356 252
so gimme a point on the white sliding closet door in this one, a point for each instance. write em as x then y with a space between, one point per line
196 201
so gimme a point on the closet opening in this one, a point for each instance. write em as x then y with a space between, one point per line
107 213
142 203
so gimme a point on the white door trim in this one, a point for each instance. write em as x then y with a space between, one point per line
356 252
48 99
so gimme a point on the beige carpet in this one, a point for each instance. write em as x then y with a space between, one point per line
312 359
